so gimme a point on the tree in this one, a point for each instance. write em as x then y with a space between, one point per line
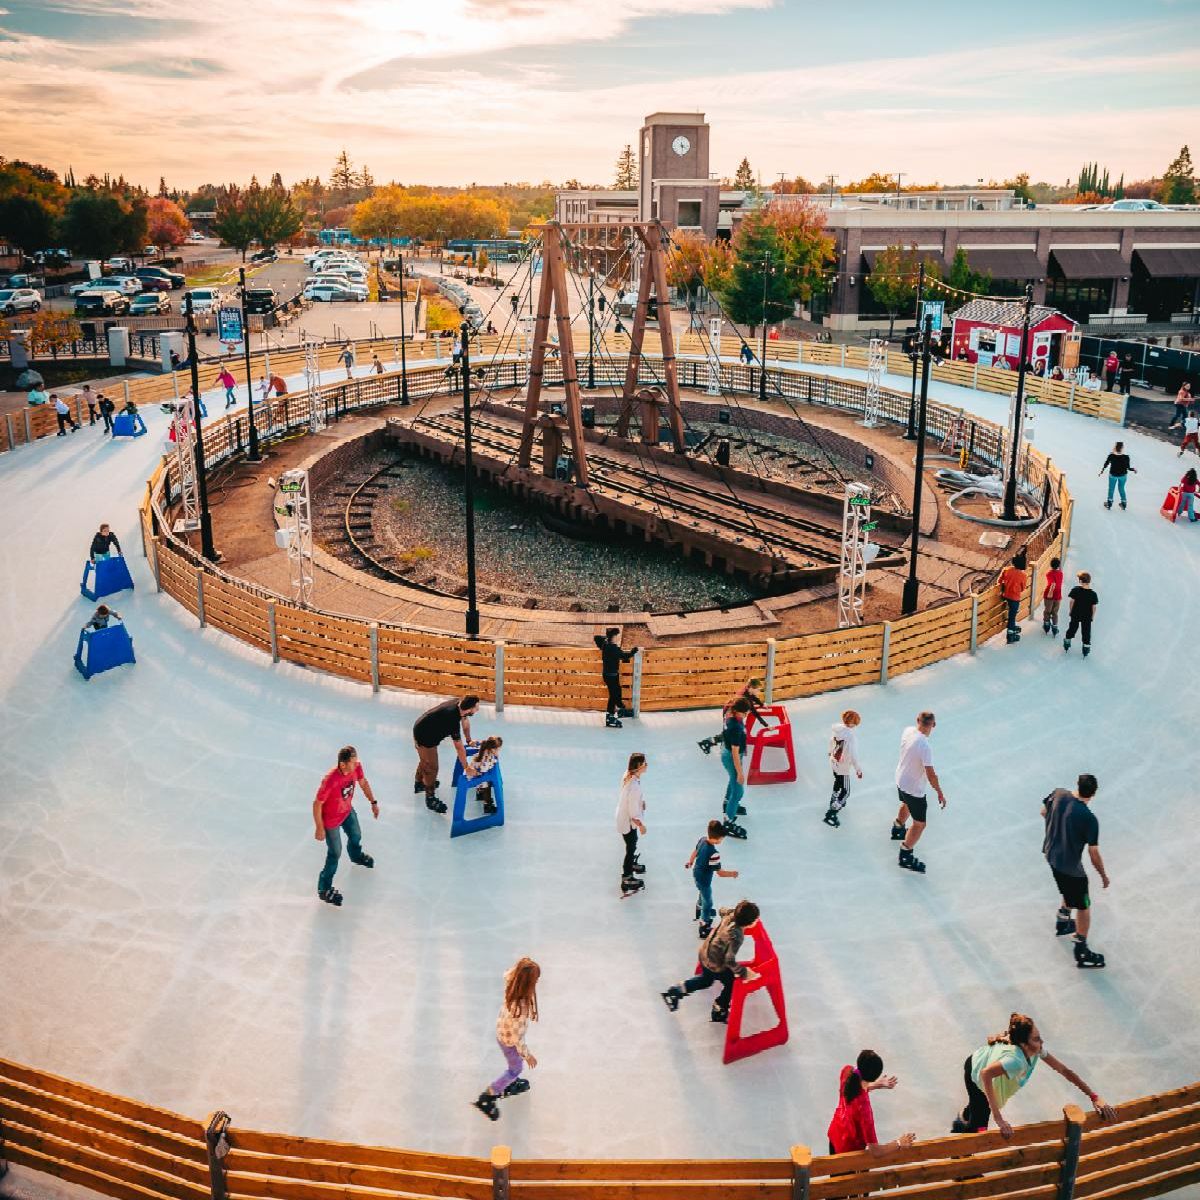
627 170
27 222
167 225
50 332
232 223
744 178
685 262
717 269
1020 187
893 279
758 289
342 179
963 278
382 216
799 186
877 181
481 261
1179 180
97 224
807 249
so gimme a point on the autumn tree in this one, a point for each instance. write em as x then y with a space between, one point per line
877 181
481 260
744 178
685 262
1020 187
1179 180
893 279
51 332
758 288
626 178
799 186
166 223
717 267
381 216
806 248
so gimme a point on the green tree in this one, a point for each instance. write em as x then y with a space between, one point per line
627 170
744 178
27 222
962 277
272 216
232 224
1020 187
342 179
893 279
97 224
807 249
1179 180
758 288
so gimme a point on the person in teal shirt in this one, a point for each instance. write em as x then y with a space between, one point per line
996 1072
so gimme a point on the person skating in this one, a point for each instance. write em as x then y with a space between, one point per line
1188 487
103 543
517 1010
733 759
843 758
107 408
486 757
450 719
347 359
89 398
101 617
1118 468
718 961
611 658
704 863
914 772
995 1072
1071 825
1083 610
1052 597
1183 404
751 690
333 811
1012 587
62 412
1191 434
630 807
853 1123
227 381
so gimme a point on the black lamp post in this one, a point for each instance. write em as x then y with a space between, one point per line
911 586
1010 490
591 330
911 431
206 535
469 481
768 269
441 252
253 455
403 352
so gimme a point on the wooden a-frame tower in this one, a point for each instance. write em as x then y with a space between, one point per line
553 295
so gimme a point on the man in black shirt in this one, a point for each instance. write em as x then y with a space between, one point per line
450 719
611 658
103 543
1070 826
1083 607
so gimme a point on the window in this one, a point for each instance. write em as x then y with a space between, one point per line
689 213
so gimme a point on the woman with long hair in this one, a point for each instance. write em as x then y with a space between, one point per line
630 808
519 1008
1188 486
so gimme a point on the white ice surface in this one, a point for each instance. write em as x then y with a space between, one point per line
161 936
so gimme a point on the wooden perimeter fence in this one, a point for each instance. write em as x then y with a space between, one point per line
566 676
134 1151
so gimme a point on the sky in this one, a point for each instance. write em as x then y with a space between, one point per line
489 91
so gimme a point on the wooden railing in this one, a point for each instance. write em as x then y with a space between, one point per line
124 1148
662 678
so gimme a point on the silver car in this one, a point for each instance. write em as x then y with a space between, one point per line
15 300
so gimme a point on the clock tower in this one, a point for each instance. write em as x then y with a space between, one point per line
673 182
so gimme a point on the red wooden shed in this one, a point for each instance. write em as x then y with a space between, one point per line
989 332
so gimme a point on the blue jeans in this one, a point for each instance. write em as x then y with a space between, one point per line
734 791
1116 482
333 849
1013 607
1187 503
230 398
706 910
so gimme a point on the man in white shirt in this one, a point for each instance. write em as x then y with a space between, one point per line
914 772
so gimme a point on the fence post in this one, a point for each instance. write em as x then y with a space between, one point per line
887 648
272 632
843 349
1033 579
499 677
1072 1136
769 685
12 437
501 1158
374 632
636 689
801 1168
28 429
200 595
1071 398
3 1160
974 621
216 1142
79 411
975 376
125 385
1124 406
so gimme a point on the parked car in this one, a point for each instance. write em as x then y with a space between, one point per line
149 251
149 304
204 300
174 279
343 271
87 285
195 236
24 280
120 266
100 302
52 258
264 256
324 293
127 285
14 300
359 289
260 300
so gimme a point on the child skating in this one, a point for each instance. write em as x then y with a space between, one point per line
843 758
1118 467
704 863
1052 597
1083 609
519 1008
751 690
1070 826
997 1071
486 757
630 808
718 961
853 1124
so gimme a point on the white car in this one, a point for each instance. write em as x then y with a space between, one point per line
14 300
127 285
328 293
344 271
204 300
335 281
195 236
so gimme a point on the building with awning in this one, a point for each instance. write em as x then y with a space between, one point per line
1165 281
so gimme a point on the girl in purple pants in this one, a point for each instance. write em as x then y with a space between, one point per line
518 1009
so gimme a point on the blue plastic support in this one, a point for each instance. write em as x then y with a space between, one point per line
102 649
200 405
112 575
128 425
460 824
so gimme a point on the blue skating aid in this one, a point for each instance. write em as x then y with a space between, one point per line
111 575
102 649
460 824
128 425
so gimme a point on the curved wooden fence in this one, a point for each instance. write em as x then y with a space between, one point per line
134 1151
567 676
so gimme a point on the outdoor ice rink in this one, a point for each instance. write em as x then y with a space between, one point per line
161 936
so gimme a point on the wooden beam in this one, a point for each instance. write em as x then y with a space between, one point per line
537 361
633 369
554 262
656 259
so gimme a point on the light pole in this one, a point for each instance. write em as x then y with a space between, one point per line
469 481
253 455
206 535
911 431
908 603
441 252
403 353
1010 490
591 329
768 270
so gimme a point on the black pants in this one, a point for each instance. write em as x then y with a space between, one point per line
841 789
977 1112
615 703
107 421
630 840
706 979
91 413
65 419
1077 623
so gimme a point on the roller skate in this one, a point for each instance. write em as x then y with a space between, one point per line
734 830
517 1087
487 1105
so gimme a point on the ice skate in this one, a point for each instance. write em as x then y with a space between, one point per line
331 896
705 744
611 722
487 1105
419 787
1108 504
1066 643
672 996
631 885
958 1125
1063 925
741 812
517 1087
910 862
434 804
1123 506
638 868
1046 627
1087 958
831 819
1086 651
705 928
364 860
719 1015
898 831
625 712
734 830
1054 630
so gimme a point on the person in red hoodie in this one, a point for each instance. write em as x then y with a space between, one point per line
1012 585
1052 597
1188 487
853 1124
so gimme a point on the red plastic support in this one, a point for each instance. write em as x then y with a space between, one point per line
762 737
766 964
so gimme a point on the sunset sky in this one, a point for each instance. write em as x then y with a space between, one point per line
455 91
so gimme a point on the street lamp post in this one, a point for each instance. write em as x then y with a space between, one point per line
591 330
253 455
403 353
469 480
441 252
911 431
206 535
1010 490
911 586
762 358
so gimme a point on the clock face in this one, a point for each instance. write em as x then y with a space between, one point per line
681 145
